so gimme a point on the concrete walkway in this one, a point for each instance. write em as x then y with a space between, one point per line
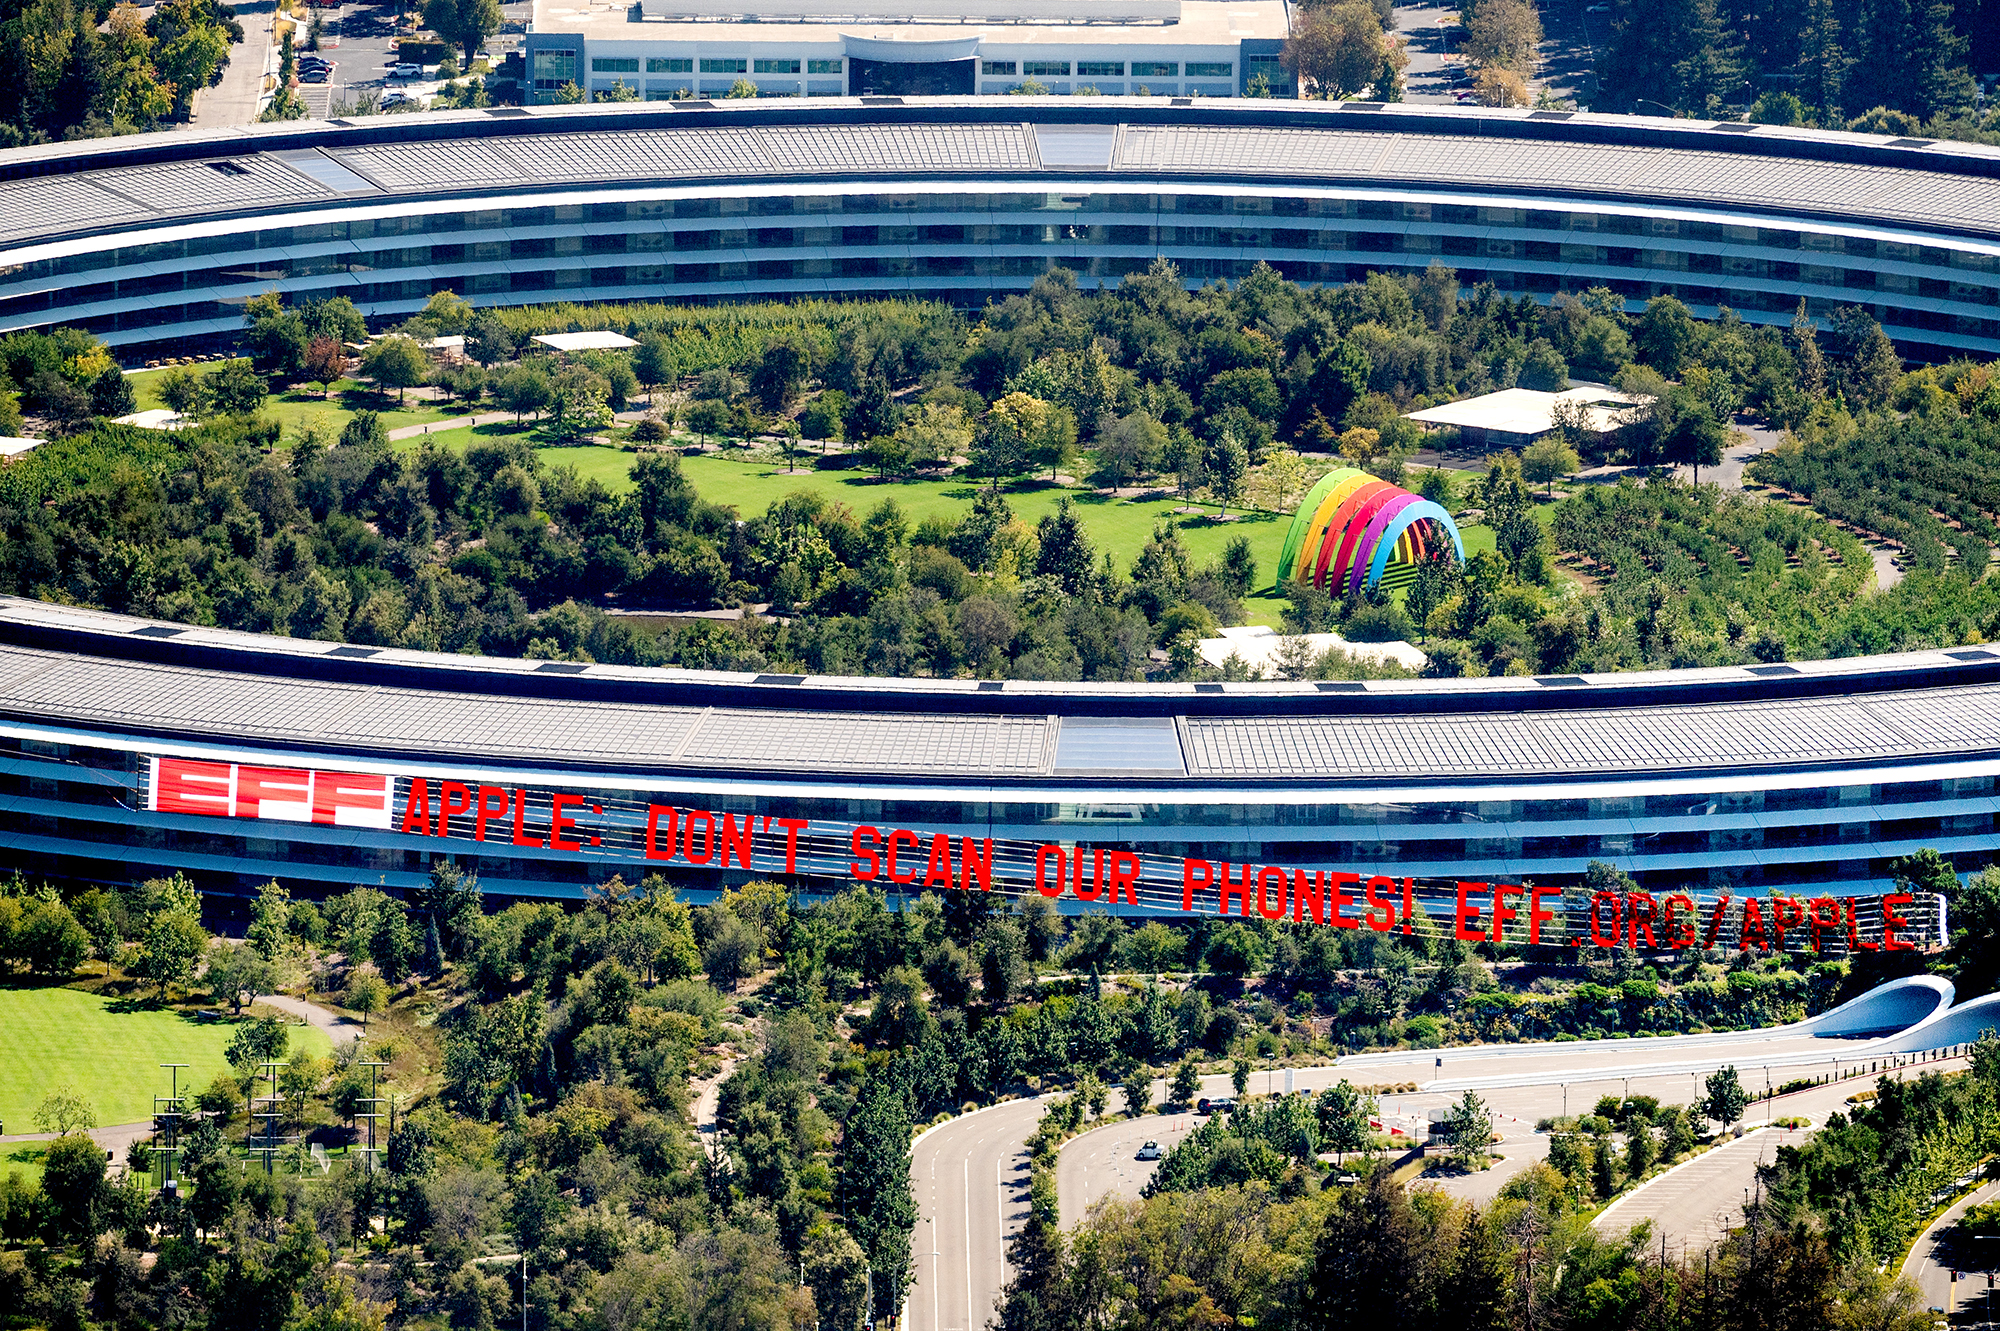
338 1028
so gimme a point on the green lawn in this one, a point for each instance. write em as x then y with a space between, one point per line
107 1049
1121 526
295 410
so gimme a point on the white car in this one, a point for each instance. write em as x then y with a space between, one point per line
407 72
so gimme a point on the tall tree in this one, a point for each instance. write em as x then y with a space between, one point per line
874 1187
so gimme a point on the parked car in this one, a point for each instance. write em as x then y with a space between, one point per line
1150 1151
1222 1106
315 76
395 99
407 72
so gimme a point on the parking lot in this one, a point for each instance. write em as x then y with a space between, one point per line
360 39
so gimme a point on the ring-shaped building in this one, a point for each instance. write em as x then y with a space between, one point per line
131 748
156 242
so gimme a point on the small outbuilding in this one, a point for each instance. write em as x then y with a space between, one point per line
1516 417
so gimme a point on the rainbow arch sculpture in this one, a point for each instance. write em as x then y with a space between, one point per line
1351 526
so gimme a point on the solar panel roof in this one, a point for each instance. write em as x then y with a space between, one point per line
798 737
1957 189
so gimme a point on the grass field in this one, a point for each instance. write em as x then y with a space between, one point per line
296 410
1121 526
108 1051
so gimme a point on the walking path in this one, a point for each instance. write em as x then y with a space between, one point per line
338 1028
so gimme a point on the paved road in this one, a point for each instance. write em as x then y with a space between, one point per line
971 1182
1699 1203
1431 36
1937 1253
238 97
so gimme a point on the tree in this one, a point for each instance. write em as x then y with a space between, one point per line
489 341
170 949
1666 335
1010 436
187 62
464 23
1066 554
1239 1075
95 911
270 932
1496 85
1151 948
73 1182
182 391
395 362
889 454
238 973
523 389
1726 1099
1228 464
366 993
1336 52
1692 435
874 1188
1138 1088
735 950
935 433
1470 1124
262 1041
1131 447
1186 1082
1343 1114
63 1111
1504 33
447 311
326 362
1548 459
235 388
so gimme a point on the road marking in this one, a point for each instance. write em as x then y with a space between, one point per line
968 1243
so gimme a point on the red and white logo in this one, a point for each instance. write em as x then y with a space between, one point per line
287 794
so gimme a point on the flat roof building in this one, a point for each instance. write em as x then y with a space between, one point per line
1516 417
677 49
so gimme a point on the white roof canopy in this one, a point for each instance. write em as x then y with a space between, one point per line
598 341
1529 412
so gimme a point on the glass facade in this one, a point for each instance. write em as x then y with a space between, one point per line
1936 297
77 805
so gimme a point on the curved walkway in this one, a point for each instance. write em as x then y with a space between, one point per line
337 1027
